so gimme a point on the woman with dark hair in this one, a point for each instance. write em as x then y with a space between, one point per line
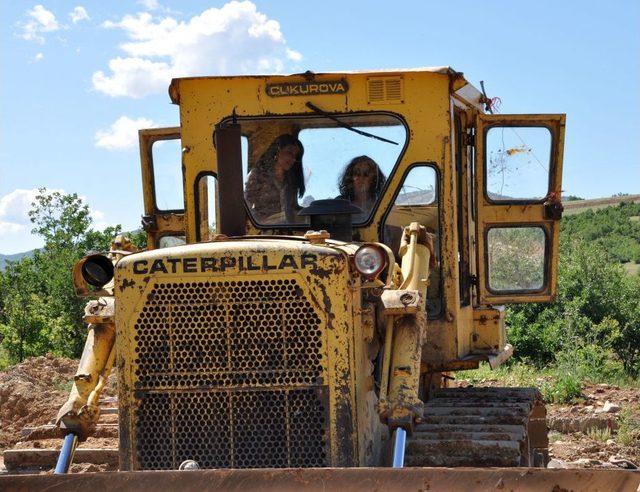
361 183
276 181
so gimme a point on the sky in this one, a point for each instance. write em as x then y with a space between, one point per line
79 78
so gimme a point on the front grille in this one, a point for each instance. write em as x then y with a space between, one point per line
229 374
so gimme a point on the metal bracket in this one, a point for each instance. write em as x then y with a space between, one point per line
400 301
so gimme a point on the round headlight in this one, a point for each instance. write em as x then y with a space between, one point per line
370 260
97 270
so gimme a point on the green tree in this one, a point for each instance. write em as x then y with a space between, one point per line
24 328
39 311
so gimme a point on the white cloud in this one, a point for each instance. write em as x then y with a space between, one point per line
38 57
15 225
294 55
149 4
233 39
99 220
78 14
133 77
40 20
122 134
15 206
11 228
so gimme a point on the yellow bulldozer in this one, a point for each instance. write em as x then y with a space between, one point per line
323 253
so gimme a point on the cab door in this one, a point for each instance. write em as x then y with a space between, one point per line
162 183
519 179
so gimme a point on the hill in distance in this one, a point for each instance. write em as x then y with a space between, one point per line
14 257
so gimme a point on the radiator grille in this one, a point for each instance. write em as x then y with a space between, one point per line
244 333
232 429
230 374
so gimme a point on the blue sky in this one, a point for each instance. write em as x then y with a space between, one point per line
68 70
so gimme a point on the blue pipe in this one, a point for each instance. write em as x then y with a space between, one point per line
399 444
66 453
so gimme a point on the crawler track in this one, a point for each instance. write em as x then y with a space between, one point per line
479 427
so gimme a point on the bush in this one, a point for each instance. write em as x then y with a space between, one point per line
629 427
591 363
596 310
566 388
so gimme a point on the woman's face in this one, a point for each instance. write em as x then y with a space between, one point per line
287 155
363 175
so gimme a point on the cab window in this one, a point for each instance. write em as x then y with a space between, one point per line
417 201
167 174
291 162
517 163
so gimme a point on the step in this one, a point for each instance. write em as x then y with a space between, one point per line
467 428
467 436
480 411
454 403
521 393
474 420
425 452
16 459
51 431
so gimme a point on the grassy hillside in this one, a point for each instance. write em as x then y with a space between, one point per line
576 206
614 228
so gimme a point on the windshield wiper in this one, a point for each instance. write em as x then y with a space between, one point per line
316 109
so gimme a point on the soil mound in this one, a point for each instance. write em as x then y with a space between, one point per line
31 394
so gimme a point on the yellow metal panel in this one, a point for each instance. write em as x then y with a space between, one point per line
272 262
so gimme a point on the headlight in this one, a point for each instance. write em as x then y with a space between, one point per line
97 270
370 260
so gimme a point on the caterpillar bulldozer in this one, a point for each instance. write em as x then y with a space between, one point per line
317 349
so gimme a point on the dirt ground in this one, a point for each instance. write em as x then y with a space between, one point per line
581 434
599 442
31 394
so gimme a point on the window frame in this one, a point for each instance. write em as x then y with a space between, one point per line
550 171
301 116
545 263
438 189
196 200
153 177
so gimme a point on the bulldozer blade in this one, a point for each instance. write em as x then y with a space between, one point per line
343 479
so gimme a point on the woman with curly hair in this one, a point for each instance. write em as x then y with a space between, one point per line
361 183
276 181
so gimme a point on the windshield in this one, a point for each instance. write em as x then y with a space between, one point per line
289 163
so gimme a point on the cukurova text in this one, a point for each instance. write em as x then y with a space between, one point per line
211 264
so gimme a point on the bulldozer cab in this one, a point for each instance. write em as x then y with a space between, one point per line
488 186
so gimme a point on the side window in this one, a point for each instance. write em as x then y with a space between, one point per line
516 257
170 241
517 163
166 158
206 193
417 201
